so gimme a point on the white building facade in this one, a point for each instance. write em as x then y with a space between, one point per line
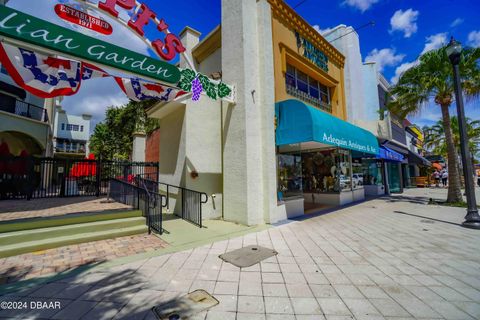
238 153
71 134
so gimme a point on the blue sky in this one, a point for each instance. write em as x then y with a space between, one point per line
403 30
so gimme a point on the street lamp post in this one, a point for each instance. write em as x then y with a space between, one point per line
472 219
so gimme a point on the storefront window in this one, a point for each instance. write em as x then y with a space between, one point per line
322 172
289 176
372 172
357 175
343 170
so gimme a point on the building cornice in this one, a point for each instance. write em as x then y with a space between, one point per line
294 21
211 43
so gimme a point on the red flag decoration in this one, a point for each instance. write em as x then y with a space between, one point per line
49 77
41 75
90 71
139 90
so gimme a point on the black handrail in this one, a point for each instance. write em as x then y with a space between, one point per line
141 199
191 200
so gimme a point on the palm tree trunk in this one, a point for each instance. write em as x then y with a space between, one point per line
454 189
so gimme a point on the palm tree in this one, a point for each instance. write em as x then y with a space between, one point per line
432 79
435 136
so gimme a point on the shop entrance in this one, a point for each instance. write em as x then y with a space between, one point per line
394 177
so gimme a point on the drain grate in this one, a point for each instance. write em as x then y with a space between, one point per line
248 256
185 307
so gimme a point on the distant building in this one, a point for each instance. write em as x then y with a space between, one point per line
71 134
367 95
24 119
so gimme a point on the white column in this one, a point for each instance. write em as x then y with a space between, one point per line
249 174
138 150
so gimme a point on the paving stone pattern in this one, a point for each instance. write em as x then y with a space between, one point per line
41 263
362 262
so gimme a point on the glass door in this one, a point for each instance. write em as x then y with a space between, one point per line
394 182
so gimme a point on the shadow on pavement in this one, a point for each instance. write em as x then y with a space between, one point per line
428 218
14 274
403 198
120 293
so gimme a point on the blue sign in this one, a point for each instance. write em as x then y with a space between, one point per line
391 155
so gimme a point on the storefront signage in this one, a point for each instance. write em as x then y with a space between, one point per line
26 28
390 155
347 143
312 53
83 19
140 16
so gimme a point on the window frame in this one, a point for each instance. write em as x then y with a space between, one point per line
321 93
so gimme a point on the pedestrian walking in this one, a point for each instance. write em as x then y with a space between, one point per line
436 178
445 178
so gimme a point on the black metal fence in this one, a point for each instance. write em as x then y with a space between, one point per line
29 177
150 203
188 202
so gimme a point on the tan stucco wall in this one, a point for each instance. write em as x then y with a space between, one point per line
285 50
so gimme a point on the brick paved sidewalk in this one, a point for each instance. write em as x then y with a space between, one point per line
31 265
21 209
391 258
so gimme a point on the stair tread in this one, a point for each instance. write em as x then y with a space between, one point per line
113 213
71 227
70 237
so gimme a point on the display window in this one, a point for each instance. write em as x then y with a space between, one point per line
289 176
371 171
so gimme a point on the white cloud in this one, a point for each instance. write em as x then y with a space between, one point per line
474 38
401 69
384 57
322 31
362 5
456 22
94 97
435 41
405 21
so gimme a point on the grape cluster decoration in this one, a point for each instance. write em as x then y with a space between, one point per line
197 89
197 83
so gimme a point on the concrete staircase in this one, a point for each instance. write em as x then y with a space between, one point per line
30 235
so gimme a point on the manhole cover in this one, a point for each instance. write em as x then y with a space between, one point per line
248 256
187 306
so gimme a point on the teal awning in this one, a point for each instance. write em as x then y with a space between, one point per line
298 122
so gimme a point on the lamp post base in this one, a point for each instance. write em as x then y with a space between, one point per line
472 220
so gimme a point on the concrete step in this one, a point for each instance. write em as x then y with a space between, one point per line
64 220
18 237
75 234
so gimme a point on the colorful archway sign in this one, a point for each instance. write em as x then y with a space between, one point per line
26 28
28 32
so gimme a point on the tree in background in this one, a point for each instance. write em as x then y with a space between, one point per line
432 79
112 138
435 136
